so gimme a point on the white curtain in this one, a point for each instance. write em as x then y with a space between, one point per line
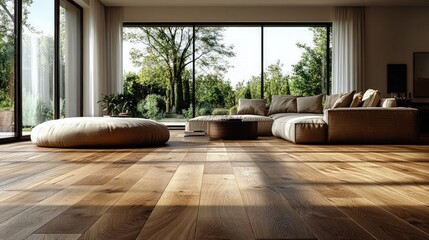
114 19
95 64
348 47
72 71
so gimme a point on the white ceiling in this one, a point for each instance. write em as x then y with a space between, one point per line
265 2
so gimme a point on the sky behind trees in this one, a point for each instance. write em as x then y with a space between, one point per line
279 44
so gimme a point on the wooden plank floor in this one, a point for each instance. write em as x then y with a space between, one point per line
194 188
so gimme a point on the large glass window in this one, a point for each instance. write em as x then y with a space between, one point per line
7 68
228 66
70 71
295 61
38 64
158 71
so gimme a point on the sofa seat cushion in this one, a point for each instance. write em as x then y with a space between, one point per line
201 123
99 132
300 128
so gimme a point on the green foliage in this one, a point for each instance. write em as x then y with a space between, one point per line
132 86
187 113
44 111
275 82
114 104
35 110
153 107
213 92
310 71
170 48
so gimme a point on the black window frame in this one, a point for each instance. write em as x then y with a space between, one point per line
262 25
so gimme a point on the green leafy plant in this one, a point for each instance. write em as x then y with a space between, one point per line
110 104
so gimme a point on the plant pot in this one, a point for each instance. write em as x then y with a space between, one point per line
6 121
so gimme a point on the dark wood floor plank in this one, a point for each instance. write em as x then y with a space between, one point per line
270 214
380 223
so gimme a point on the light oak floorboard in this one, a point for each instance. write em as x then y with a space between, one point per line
195 188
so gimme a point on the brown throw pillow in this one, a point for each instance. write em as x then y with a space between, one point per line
370 98
357 100
311 104
345 100
251 106
282 104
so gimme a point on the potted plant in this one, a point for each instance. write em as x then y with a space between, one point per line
110 104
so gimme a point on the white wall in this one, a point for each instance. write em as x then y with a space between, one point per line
227 14
392 35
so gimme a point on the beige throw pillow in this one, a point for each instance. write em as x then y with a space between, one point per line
311 104
344 100
357 100
282 104
370 98
330 101
251 106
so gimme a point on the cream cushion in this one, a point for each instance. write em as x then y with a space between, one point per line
300 127
387 102
99 132
251 106
370 98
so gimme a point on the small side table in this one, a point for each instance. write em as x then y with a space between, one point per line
233 130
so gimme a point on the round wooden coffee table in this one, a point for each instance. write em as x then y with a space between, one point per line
233 130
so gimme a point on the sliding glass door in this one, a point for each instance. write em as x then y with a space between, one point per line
7 69
38 64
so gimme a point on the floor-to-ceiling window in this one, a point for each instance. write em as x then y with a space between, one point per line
231 61
40 64
7 68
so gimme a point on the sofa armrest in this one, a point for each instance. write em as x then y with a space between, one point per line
373 125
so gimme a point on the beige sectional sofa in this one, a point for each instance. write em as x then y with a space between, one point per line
382 124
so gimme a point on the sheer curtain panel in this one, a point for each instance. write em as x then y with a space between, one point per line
114 18
95 79
348 48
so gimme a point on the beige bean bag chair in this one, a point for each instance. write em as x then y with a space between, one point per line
99 132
